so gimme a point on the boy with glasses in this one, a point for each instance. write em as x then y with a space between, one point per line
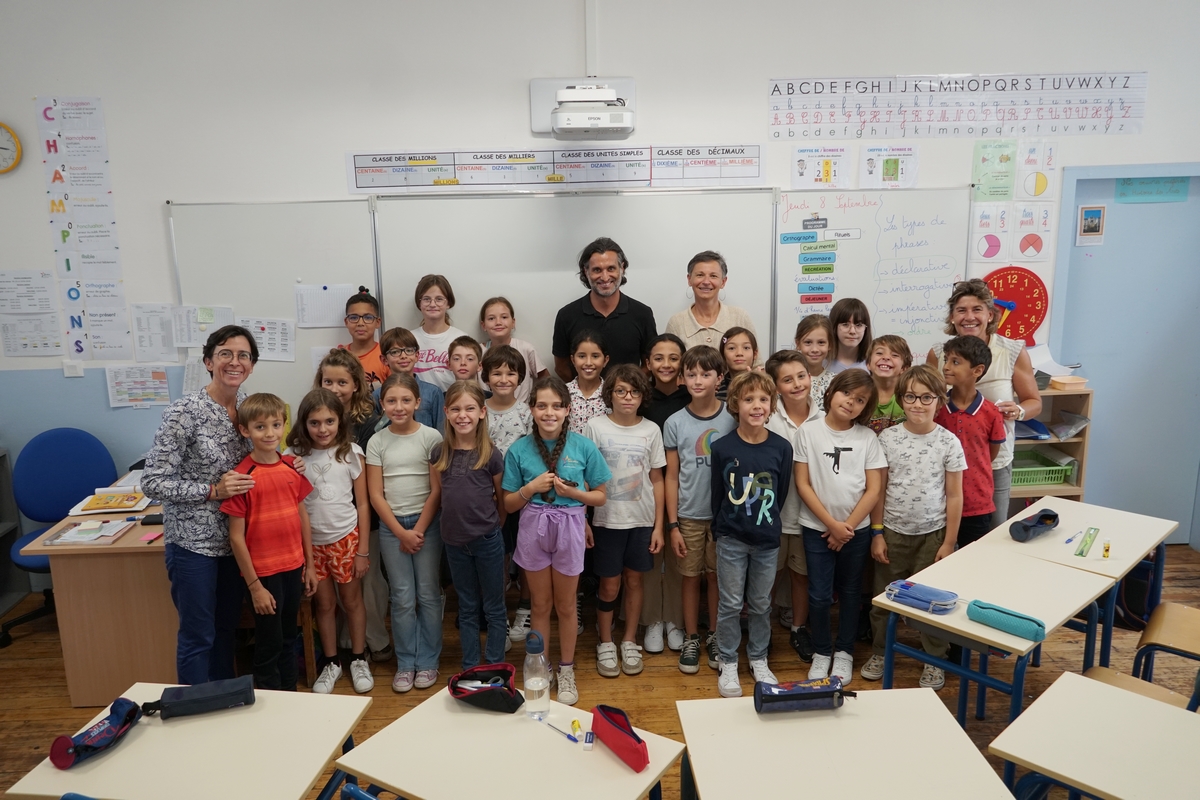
915 522
400 349
362 320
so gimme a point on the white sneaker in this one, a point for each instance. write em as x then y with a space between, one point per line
607 663
727 682
507 644
360 676
674 637
819 668
631 658
520 626
653 640
873 669
843 666
933 677
329 676
567 693
785 618
762 673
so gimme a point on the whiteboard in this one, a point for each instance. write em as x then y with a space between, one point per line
526 248
899 251
251 256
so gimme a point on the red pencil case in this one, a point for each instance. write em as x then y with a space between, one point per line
612 726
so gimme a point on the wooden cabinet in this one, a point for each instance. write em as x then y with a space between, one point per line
1075 401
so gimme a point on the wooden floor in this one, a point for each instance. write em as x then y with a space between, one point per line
34 707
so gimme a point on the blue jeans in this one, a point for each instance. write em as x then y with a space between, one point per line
744 573
477 569
830 569
416 595
207 592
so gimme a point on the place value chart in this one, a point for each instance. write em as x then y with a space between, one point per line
554 170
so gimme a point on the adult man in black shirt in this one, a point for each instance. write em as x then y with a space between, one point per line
626 325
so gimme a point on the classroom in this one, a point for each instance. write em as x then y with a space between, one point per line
237 163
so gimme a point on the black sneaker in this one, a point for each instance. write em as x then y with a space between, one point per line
802 643
865 634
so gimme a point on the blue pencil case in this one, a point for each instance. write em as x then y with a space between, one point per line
1006 620
922 597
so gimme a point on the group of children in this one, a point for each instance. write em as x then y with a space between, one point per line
839 452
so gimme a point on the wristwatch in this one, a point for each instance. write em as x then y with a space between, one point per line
672 526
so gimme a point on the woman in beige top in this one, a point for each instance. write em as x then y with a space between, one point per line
708 318
1009 381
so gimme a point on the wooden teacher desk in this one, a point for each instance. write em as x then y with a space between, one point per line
274 749
116 619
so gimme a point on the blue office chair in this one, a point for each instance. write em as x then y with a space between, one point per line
55 470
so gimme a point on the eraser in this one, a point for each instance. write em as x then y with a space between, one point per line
588 738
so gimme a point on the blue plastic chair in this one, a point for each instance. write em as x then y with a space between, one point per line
55 470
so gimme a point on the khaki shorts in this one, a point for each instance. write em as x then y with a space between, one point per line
701 549
791 553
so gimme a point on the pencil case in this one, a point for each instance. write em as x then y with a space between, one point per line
488 686
201 698
1006 620
66 751
612 726
1031 527
813 695
921 597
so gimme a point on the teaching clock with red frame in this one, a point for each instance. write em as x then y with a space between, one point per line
1022 302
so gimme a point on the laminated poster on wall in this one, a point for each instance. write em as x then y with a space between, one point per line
322 305
89 264
994 169
195 376
822 168
1037 170
26 292
152 333
1032 225
191 325
888 167
28 335
137 387
109 334
990 232
276 338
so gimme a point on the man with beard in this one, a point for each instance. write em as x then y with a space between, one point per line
626 325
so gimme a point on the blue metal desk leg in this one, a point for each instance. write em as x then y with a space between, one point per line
1110 612
335 780
889 655
964 687
1160 563
1037 656
656 792
687 781
981 694
1014 710
1089 638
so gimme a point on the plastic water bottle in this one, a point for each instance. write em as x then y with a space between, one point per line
537 677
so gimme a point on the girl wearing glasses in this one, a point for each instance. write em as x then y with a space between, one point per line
434 298
852 328
362 320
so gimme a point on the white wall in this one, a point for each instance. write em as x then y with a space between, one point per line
255 101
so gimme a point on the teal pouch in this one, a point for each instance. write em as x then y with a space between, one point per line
1006 620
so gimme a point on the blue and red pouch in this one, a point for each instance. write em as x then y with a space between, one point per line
67 751
819 694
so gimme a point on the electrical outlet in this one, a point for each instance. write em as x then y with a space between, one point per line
72 369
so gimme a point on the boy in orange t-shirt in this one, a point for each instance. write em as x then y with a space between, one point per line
271 540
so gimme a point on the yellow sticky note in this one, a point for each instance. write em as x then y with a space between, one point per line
204 314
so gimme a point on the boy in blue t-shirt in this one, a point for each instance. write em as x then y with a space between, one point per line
751 478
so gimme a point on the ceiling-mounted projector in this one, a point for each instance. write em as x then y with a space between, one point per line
590 111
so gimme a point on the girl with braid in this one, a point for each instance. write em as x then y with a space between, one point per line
550 476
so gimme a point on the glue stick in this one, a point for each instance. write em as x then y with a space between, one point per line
1107 544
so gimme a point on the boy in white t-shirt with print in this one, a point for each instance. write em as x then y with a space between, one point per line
796 406
915 522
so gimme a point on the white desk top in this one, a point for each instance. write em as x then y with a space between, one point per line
444 748
1105 741
1050 592
903 732
276 748
1132 536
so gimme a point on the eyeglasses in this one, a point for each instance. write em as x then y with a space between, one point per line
225 356
433 301
630 393
367 318
396 352
858 326
926 399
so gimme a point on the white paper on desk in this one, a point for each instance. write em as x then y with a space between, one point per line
109 333
195 376
192 324
131 481
1039 354
137 386
323 305
26 292
276 338
152 333
31 335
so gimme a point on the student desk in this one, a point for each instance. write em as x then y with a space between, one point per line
444 748
115 615
276 748
1065 736
907 740
1051 592
1133 536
